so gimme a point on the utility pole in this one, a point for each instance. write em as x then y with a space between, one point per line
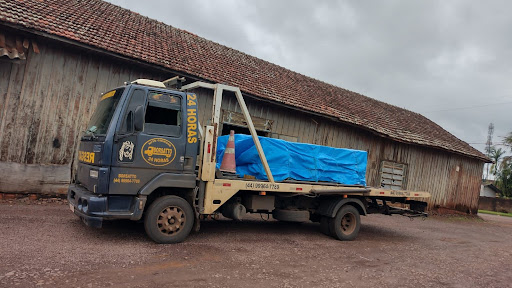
488 146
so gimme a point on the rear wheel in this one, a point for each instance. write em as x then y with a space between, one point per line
345 226
169 220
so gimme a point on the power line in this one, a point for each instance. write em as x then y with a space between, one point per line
483 143
499 143
469 107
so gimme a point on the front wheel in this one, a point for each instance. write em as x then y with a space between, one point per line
345 226
169 220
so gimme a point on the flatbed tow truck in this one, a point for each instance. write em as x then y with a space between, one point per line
146 157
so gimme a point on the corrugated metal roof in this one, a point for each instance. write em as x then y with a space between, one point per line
14 47
112 28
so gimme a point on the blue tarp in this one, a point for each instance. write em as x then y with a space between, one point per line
298 161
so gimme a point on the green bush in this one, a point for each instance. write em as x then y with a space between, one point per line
504 179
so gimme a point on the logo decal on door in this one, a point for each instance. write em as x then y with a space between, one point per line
126 151
158 152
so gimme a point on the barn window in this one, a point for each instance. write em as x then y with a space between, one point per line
393 175
236 121
226 128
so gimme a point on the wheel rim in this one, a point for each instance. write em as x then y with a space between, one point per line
348 223
171 220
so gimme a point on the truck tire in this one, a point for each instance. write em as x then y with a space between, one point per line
169 219
345 226
324 226
291 215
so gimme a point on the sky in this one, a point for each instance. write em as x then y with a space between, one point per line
450 61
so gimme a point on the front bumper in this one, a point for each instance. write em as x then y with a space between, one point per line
93 209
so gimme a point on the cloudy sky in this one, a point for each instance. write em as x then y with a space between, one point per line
448 60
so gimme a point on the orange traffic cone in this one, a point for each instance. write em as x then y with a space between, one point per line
228 161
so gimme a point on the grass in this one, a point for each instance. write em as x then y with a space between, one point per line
495 213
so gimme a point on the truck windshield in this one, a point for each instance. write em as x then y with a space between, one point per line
100 120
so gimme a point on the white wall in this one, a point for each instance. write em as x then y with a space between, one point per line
487 192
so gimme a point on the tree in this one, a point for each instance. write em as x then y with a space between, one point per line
495 155
502 170
508 140
504 177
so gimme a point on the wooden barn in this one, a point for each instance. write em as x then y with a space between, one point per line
57 57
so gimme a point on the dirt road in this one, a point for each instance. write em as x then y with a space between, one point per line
45 245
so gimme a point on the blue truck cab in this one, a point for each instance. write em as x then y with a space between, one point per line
140 138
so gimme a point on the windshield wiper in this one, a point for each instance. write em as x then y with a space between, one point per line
90 133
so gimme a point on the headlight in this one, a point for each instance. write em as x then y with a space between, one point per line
93 173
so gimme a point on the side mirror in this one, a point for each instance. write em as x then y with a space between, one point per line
138 118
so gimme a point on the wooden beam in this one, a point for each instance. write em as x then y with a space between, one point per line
255 138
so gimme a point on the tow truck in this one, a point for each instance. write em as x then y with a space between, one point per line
145 157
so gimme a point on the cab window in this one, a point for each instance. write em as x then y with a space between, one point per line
102 116
137 98
163 114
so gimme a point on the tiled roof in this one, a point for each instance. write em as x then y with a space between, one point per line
112 28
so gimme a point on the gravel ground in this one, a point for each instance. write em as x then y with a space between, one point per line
43 244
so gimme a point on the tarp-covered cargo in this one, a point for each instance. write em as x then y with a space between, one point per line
298 161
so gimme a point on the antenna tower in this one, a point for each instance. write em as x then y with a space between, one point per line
488 145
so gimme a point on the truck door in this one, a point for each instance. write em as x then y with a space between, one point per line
163 139
160 147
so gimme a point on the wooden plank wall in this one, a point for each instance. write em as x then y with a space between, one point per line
45 102
428 169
